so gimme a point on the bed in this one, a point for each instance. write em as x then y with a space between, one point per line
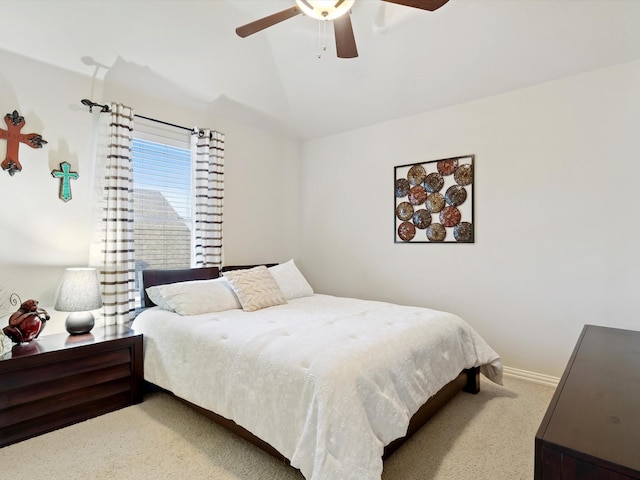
332 385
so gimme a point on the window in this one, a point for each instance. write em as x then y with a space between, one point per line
162 196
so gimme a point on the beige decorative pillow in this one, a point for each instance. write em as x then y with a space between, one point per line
255 288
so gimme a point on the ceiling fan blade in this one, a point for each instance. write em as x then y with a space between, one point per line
345 40
261 24
430 5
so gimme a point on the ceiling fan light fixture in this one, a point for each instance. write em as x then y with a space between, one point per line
325 9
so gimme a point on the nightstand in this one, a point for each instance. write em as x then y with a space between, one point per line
58 380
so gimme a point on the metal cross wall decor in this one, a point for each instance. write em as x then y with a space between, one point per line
14 138
65 175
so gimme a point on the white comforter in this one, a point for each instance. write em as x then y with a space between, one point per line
327 381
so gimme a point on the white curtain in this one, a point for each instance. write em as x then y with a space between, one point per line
208 146
112 250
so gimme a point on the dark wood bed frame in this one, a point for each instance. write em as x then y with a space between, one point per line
468 380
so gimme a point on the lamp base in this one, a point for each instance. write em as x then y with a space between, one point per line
78 323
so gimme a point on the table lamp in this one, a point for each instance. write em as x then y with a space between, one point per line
79 293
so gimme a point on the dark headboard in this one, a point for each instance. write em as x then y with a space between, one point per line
228 268
162 277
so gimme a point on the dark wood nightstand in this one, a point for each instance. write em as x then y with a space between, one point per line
58 380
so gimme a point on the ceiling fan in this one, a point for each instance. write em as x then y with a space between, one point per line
336 10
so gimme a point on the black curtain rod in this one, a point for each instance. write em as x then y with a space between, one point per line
105 109
192 130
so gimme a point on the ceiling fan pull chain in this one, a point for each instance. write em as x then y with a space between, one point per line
319 41
322 37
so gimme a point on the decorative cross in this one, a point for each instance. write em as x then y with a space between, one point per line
14 138
65 175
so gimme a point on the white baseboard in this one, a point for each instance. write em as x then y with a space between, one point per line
531 376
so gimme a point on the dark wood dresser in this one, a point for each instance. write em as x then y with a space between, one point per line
58 380
592 427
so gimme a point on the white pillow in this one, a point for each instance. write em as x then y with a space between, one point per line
290 280
157 297
195 297
255 288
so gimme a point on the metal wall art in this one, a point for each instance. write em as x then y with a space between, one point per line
434 201
14 138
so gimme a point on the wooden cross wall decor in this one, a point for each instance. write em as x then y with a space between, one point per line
14 138
65 175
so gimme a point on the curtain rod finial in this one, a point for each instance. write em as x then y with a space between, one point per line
91 104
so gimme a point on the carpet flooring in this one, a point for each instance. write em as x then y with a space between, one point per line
486 436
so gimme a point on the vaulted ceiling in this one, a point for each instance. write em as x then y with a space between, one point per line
409 60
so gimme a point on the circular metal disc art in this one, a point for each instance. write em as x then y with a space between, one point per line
447 167
450 216
434 182
404 211
436 232
463 232
421 219
402 187
416 175
417 195
434 203
455 195
464 174
406 231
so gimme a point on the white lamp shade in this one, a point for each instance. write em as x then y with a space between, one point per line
79 291
324 9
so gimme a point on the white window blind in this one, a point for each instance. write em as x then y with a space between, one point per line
162 196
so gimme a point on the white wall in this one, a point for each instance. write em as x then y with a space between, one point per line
41 235
556 205
555 201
